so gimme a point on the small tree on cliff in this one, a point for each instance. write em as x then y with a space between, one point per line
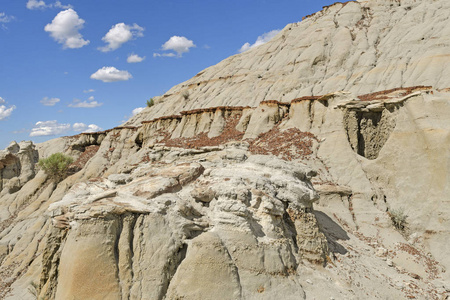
56 165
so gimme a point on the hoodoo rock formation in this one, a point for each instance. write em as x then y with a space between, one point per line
282 174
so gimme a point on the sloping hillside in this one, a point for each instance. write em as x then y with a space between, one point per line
315 166
359 47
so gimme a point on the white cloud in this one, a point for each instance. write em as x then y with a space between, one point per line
179 44
244 47
42 128
58 4
262 39
133 113
90 103
40 4
164 54
137 110
4 18
120 34
134 58
79 126
64 29
111 74
89 91
49 101
86 128
4 111
36 4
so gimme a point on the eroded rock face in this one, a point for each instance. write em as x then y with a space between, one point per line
208 260
17 163
157 239
358 46
289 198
368 131
146 208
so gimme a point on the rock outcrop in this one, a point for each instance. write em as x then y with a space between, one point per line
358 46
17 164
240 197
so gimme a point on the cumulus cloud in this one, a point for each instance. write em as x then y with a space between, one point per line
262 39
137 110
81 127
134 58
120 34
133 113
64 29
90 103
111 74
49 101
43 128
89 91
5 111
36 4
39 4
179 44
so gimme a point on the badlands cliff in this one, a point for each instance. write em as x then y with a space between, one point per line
275 173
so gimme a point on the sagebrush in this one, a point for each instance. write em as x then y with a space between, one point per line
398 218
56 165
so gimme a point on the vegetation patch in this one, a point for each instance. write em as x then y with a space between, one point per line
56 166
398 218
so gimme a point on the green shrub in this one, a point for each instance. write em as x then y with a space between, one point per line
186 95
150 102
56 165
398 218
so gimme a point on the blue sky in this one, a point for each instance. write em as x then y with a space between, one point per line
77 65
